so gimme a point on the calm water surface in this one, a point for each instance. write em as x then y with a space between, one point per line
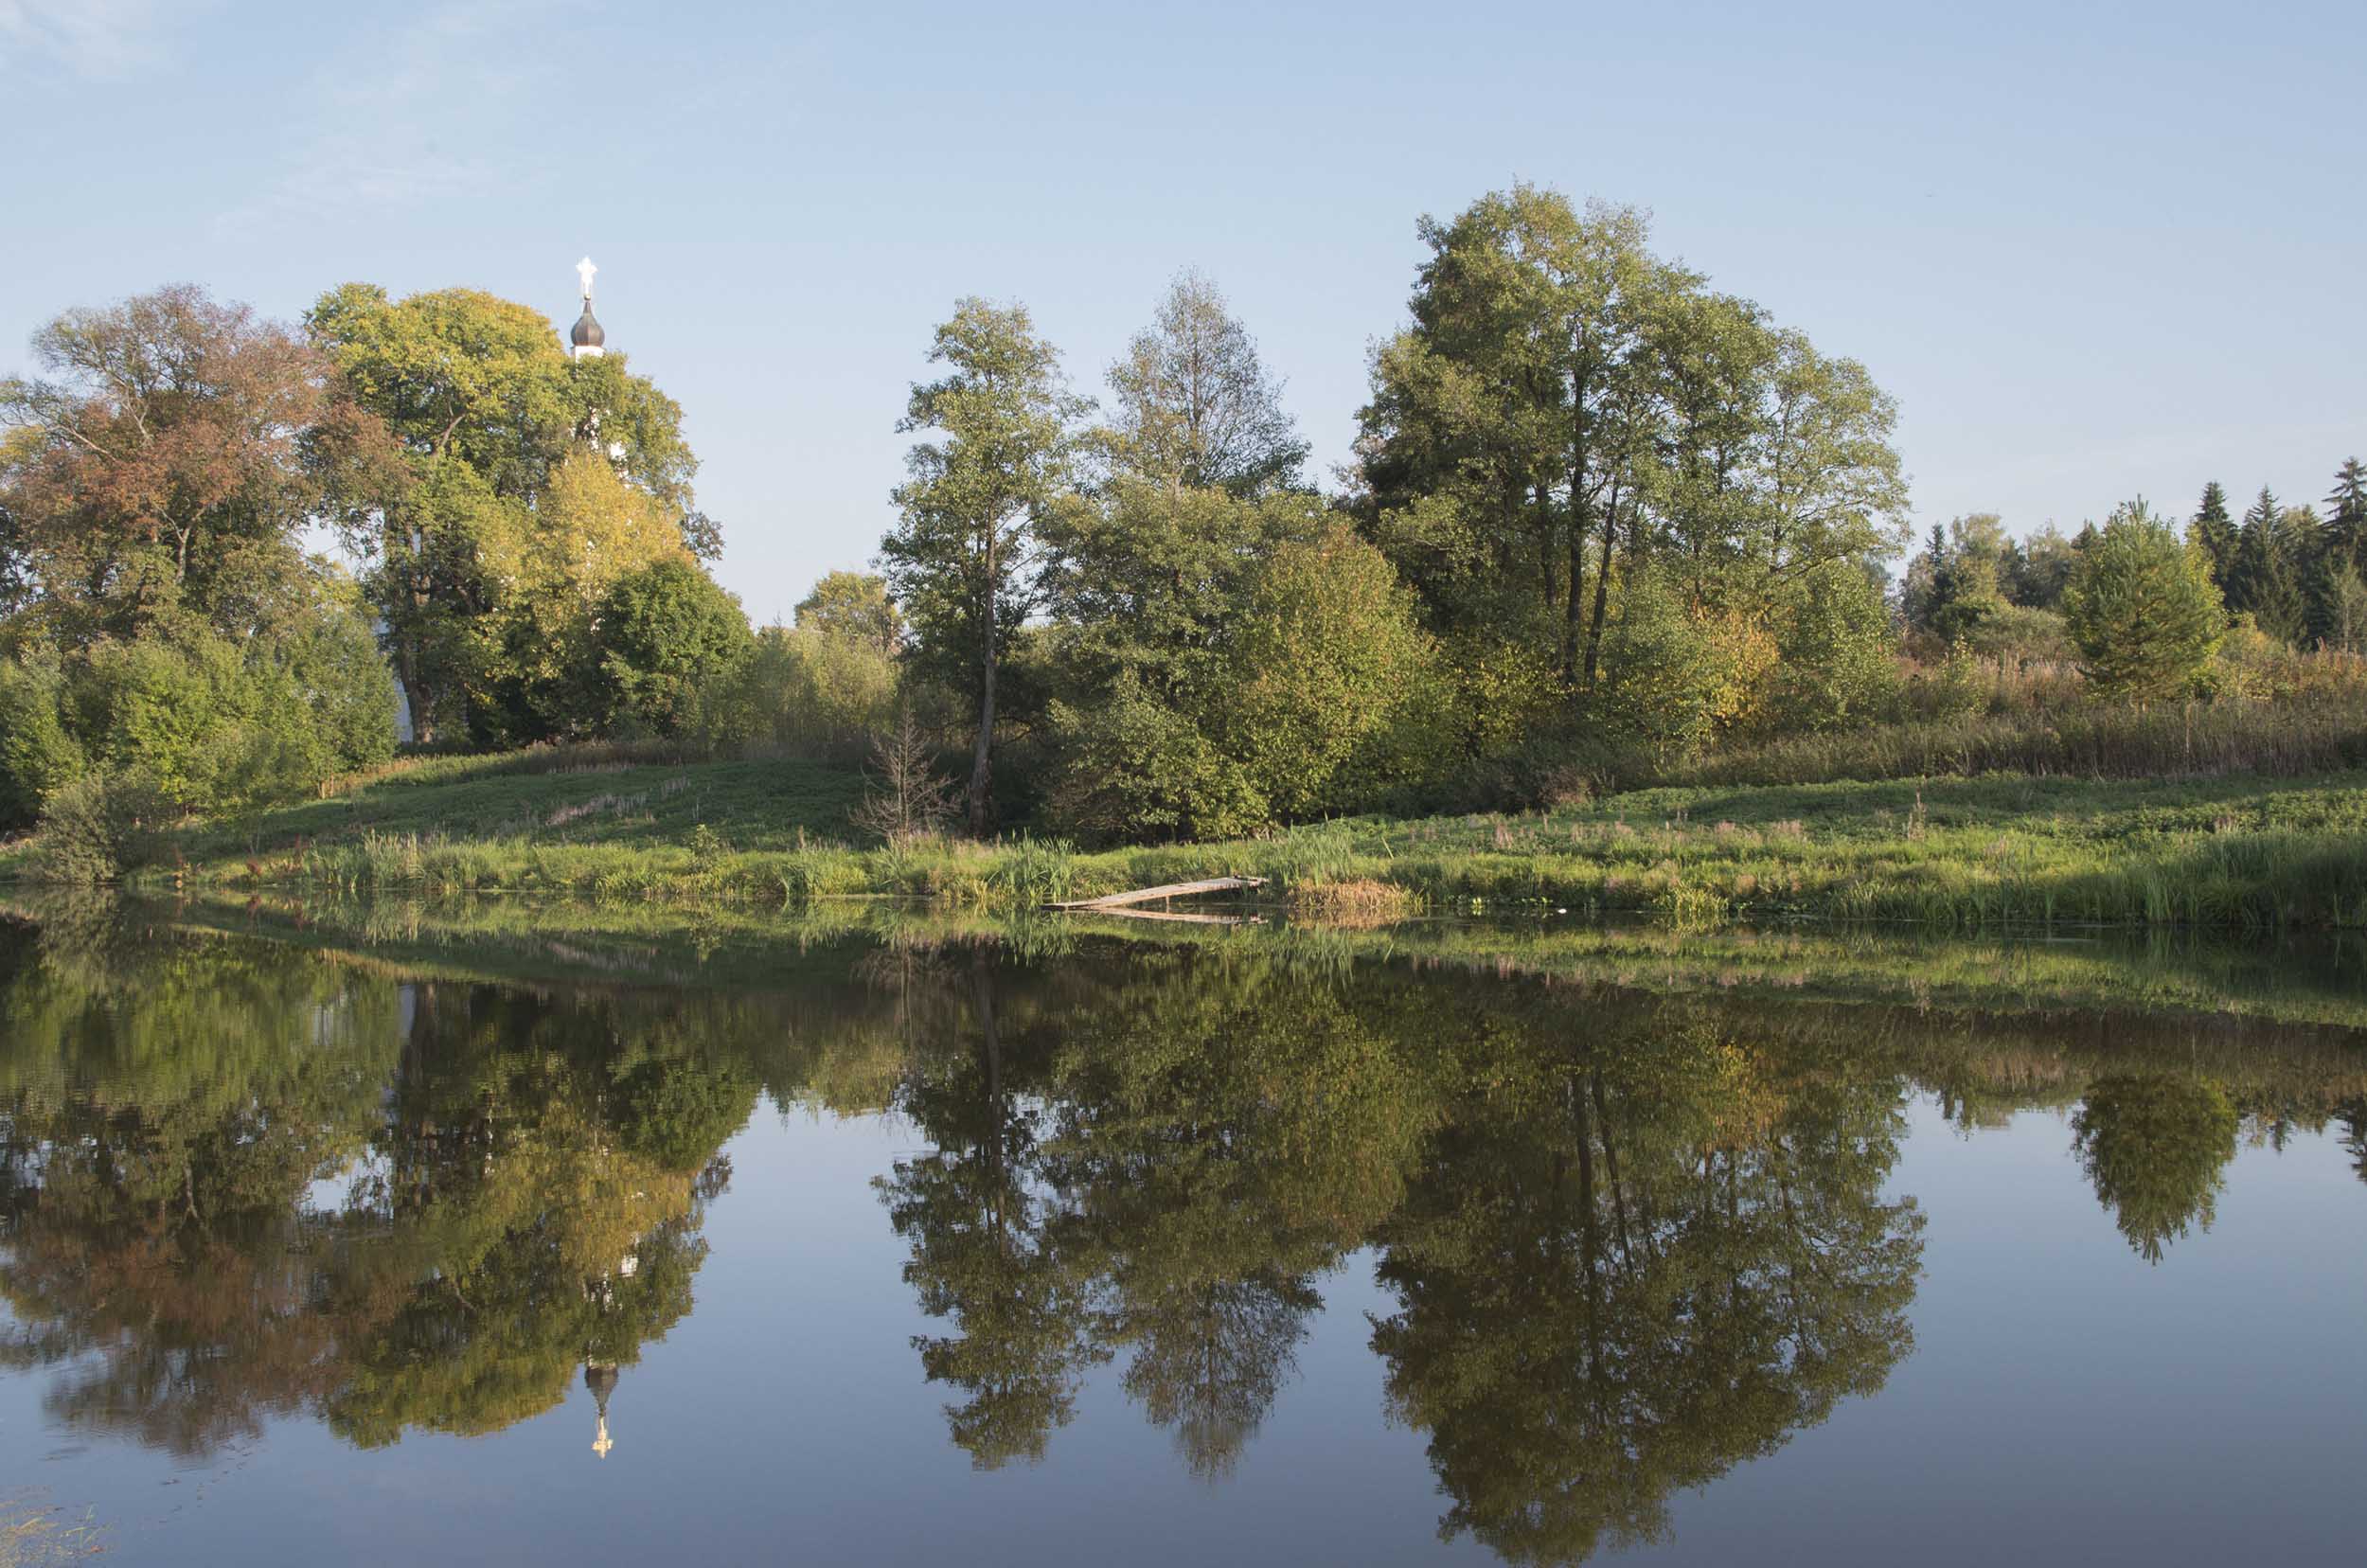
1100 1250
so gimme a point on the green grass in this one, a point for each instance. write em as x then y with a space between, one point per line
2234 851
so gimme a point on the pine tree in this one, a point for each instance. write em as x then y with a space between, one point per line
2142 608
2339 584
2346 517
2267 583
2215 531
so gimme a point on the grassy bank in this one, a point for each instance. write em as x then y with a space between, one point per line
2238 851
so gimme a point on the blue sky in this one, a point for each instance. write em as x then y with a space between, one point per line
2095 250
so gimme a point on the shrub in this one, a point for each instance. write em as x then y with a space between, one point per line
1839 656
99 828
216 726
1667 676
806 689
37 754
2017 636
1133 769
666 635
1329 688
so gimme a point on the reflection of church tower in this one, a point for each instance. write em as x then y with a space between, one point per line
586 341
600 1378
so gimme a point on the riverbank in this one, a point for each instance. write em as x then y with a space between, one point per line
2231 852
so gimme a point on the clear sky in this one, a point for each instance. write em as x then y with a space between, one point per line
2095 250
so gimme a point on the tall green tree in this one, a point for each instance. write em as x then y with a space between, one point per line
1194 407
467 408
2042 570
2142 607
1565 402
2337 573
963 555
665 636
2214 530
2268 581
2346 515
1960 579
855 606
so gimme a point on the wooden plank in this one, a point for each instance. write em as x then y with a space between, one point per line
1172 890
1179 916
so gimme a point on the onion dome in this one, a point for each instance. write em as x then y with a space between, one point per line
587 334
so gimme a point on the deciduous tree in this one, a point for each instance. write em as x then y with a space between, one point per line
158 467
962 558
1194 407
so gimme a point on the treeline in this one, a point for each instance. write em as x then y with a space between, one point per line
1601 515
2285 574
522 558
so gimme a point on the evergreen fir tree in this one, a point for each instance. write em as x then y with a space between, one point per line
2214 530
2339 584
2346 517
2267 578
2142 608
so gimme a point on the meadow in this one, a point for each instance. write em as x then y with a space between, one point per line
2240 850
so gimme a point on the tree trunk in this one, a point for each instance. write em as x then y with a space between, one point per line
414 697
1544 502
1602 587
982 756
1578 523
1572 599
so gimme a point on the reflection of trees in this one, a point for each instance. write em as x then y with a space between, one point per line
1631 1243
1621 1270
522 1199
1228 1134
2353 1119
2154 1145
1157 1162
988 1243
1621 1273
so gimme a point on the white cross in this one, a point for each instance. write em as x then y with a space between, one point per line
584 269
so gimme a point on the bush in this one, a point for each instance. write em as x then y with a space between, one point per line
667 637
37 754
1839 662
219 727
1330 691
805 689
1134 770
1666 675
2016 635
100 828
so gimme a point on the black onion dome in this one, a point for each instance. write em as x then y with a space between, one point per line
587 334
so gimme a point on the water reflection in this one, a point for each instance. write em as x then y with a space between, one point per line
238 1183
1625 1243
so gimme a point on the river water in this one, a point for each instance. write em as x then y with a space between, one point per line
361 1244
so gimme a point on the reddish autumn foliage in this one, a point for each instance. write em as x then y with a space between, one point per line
160 463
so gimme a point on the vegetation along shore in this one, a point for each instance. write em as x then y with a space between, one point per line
1619 608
